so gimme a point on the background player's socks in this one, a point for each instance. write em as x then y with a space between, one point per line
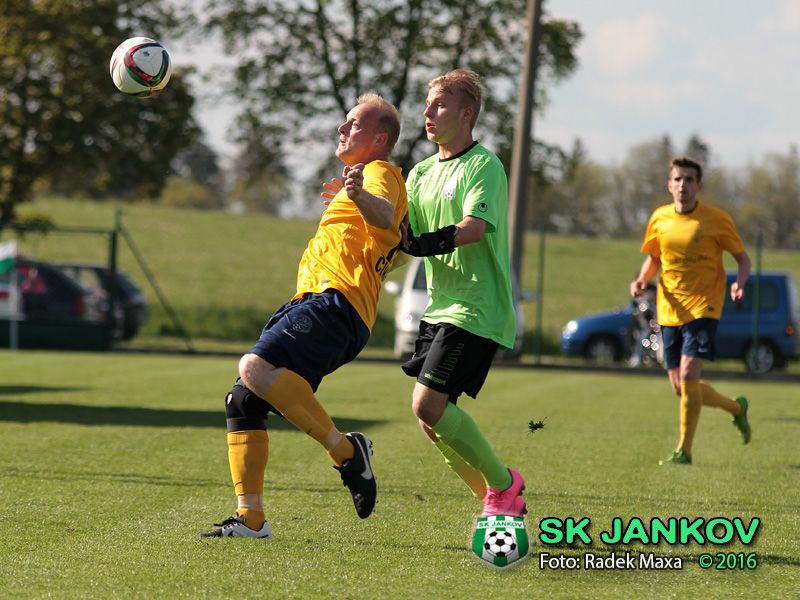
712 397
691 403
468 474
457 429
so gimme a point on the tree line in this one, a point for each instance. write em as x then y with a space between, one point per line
299 67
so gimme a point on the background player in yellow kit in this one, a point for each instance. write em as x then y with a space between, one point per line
686 240
325 325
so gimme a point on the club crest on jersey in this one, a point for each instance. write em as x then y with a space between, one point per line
301 324
449 191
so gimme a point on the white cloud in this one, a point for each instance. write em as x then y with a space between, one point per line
626 45
788 21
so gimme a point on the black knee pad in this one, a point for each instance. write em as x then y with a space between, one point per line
244 410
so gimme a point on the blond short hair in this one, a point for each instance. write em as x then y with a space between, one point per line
389 121
465 85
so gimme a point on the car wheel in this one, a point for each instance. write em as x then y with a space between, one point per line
602 349
761 357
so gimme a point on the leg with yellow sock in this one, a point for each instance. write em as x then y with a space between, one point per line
737 408
689 416
248 452
351 453
685 381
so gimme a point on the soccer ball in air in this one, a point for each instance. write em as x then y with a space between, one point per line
140 67
500 543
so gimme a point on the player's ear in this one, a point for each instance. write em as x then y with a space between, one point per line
381 139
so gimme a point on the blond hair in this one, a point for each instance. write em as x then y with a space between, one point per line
389 121
465 85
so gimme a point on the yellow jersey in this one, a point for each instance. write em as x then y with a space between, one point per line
692 283
347 254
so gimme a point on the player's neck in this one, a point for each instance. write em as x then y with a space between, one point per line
456 146
684 208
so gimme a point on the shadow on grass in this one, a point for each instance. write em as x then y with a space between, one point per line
78 414
16 390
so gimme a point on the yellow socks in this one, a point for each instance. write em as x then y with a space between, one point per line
691 403
712 397
294 398
469 475
248 452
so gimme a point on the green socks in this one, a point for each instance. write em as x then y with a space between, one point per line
457 430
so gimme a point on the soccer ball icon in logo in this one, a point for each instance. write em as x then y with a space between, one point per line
500 543
140 67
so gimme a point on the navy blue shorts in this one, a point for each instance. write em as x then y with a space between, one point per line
313 336
695 338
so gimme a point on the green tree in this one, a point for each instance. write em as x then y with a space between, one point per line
770 200
304 62
61 119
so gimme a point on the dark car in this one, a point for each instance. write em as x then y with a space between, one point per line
54 311
128 295
609 336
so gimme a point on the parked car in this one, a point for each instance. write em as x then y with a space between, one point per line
608 336
55 310
131 299
412 299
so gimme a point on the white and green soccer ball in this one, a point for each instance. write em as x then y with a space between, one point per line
140 67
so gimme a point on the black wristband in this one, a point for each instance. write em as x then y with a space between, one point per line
441 241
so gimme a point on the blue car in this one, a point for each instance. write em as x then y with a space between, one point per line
615 336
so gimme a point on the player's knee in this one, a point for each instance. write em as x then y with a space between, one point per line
428 407
257 374
244 410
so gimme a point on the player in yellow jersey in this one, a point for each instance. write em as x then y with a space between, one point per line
685 240
325 324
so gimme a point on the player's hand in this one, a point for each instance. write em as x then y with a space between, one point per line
737 293
637 287
353 180
332 187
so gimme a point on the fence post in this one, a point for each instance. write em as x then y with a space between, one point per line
757 304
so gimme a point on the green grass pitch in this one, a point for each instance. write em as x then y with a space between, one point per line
110 463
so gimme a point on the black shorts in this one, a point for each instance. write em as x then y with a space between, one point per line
695 338
313 336
450 360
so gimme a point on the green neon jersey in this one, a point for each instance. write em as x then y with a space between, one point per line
470 287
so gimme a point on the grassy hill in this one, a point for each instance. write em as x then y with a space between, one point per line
224 274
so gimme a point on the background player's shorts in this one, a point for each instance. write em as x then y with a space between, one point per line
450 360
695 338
313 336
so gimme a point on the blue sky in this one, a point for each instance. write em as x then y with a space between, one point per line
728 70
